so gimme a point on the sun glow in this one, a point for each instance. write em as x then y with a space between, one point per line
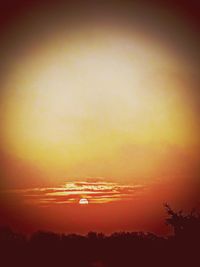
90 100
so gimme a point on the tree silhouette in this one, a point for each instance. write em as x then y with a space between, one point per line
98 250
185 225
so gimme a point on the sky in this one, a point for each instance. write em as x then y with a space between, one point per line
99 101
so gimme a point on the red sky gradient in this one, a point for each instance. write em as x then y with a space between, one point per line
98 100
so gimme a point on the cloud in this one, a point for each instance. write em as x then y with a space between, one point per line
71 192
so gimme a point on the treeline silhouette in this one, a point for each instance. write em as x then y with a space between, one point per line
124 249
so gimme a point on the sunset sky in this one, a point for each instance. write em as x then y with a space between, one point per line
99 101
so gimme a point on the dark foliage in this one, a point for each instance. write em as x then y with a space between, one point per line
124 249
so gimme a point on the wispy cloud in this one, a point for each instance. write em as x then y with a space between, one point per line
96 192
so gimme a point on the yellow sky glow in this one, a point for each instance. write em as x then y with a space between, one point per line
89 100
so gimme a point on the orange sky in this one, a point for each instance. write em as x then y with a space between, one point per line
103 108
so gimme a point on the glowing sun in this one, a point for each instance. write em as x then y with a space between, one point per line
83 201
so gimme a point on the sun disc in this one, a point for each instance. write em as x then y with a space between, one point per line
83 201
